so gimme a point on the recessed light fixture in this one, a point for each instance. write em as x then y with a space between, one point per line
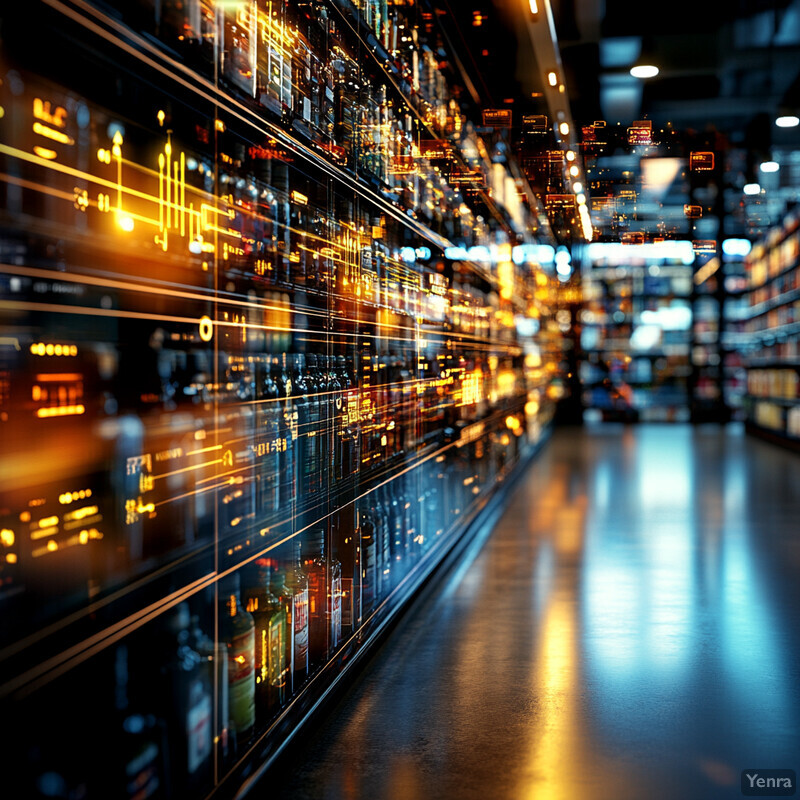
770 166
564 128
751 188
644 71
534 6
552 78
788 121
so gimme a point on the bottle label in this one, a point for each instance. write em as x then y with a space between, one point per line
142 774
277 652
336 612
241 680
198 732
301 629
346 602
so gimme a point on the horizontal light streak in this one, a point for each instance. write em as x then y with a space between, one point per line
51 133
59 377
134 287
60 411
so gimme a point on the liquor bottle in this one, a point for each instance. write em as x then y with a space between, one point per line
238 633
237 55
334 425
215 653
409 506
318 411
286 441
324 598
268 442
394 393
134 767
383 538
187 700
346 549
397 530
295 583
351 453
314 449
269 616
346 106
300 401
325 391
299 262
368 563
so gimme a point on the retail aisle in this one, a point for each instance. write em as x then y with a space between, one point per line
630 630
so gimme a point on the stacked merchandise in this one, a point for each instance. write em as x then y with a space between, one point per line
772 403
249 398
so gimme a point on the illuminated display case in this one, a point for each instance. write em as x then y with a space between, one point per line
636 333
255 379
772 324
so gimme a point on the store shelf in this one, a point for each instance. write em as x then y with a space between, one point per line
253 400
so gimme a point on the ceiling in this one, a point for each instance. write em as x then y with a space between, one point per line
726 72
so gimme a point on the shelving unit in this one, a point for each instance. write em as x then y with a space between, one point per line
253 386
772 323
636 340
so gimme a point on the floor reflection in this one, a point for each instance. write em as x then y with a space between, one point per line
630 630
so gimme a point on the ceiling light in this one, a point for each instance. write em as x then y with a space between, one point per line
751 188
552 78
564 128
770 166
574 170
644 71
788 121
534 6
577 186
580 199
570 155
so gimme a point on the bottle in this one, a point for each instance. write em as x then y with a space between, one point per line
134 767
302 448
397 531
383 538
296 598
269 428
324 599
238 633
213 653
347 550
351 434
334 424
319 414
269 616
187 700
314 429
287 429
368 563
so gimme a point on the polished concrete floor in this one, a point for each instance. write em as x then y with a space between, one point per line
630 630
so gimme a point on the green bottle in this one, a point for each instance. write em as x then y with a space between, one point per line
269 616
238 632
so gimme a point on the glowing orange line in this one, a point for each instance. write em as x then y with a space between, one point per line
186 469
63 376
